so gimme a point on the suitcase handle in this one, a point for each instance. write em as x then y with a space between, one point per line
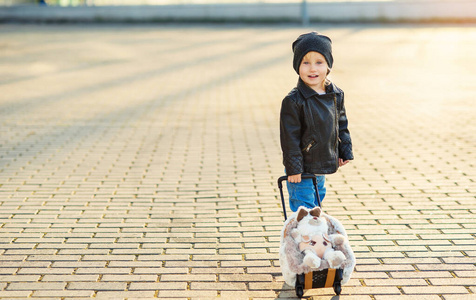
303 176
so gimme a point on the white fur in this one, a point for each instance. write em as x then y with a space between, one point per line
310 225
294 262
312 260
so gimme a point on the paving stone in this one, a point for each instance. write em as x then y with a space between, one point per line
31 286
395 282
97 286
125 294
453 281
187 277
462 297
370 275
15 294
188 294
249 294
218 286
465 274
61 294
418 274
385 268
141 161
408 297
245 277
435 290
8 271
448 267
219 270
142 286
70 278
19 278
79 264
94 270
44 271
128 278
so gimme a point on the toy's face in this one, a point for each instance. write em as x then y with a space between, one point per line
317 243
310 225
315 221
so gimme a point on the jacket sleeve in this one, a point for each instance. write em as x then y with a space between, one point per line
290 134
345 144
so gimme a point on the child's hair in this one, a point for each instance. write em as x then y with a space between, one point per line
328 80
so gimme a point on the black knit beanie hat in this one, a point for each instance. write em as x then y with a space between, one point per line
312 41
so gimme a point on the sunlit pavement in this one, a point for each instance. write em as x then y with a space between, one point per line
141 161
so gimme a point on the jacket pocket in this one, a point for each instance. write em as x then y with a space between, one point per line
309 146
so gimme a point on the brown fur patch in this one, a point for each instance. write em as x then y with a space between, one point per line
302 213
315 212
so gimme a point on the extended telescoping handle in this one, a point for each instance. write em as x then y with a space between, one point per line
303 176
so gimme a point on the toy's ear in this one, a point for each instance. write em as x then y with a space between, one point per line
315 212
301 214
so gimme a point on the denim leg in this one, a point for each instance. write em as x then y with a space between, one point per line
301 194
321 180
304 193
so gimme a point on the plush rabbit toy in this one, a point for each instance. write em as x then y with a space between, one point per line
312 240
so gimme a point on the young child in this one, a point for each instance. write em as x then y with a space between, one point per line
313 122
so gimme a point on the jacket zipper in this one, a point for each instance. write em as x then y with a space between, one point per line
337 130
308 148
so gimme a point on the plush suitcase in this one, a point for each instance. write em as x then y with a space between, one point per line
315 279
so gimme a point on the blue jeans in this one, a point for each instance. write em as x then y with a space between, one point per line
304 194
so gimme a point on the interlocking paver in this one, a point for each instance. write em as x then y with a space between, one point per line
140 162
29 286
64 293
98 286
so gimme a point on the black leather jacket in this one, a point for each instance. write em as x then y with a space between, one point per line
313 130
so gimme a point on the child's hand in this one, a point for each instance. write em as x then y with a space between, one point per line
343 162
294 178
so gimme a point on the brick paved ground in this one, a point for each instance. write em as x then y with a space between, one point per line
141 161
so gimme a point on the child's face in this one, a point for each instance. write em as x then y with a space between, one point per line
313 71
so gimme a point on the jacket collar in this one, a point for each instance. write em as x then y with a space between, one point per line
308 92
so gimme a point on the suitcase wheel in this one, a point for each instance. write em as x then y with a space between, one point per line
299 285
299 291
337 288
